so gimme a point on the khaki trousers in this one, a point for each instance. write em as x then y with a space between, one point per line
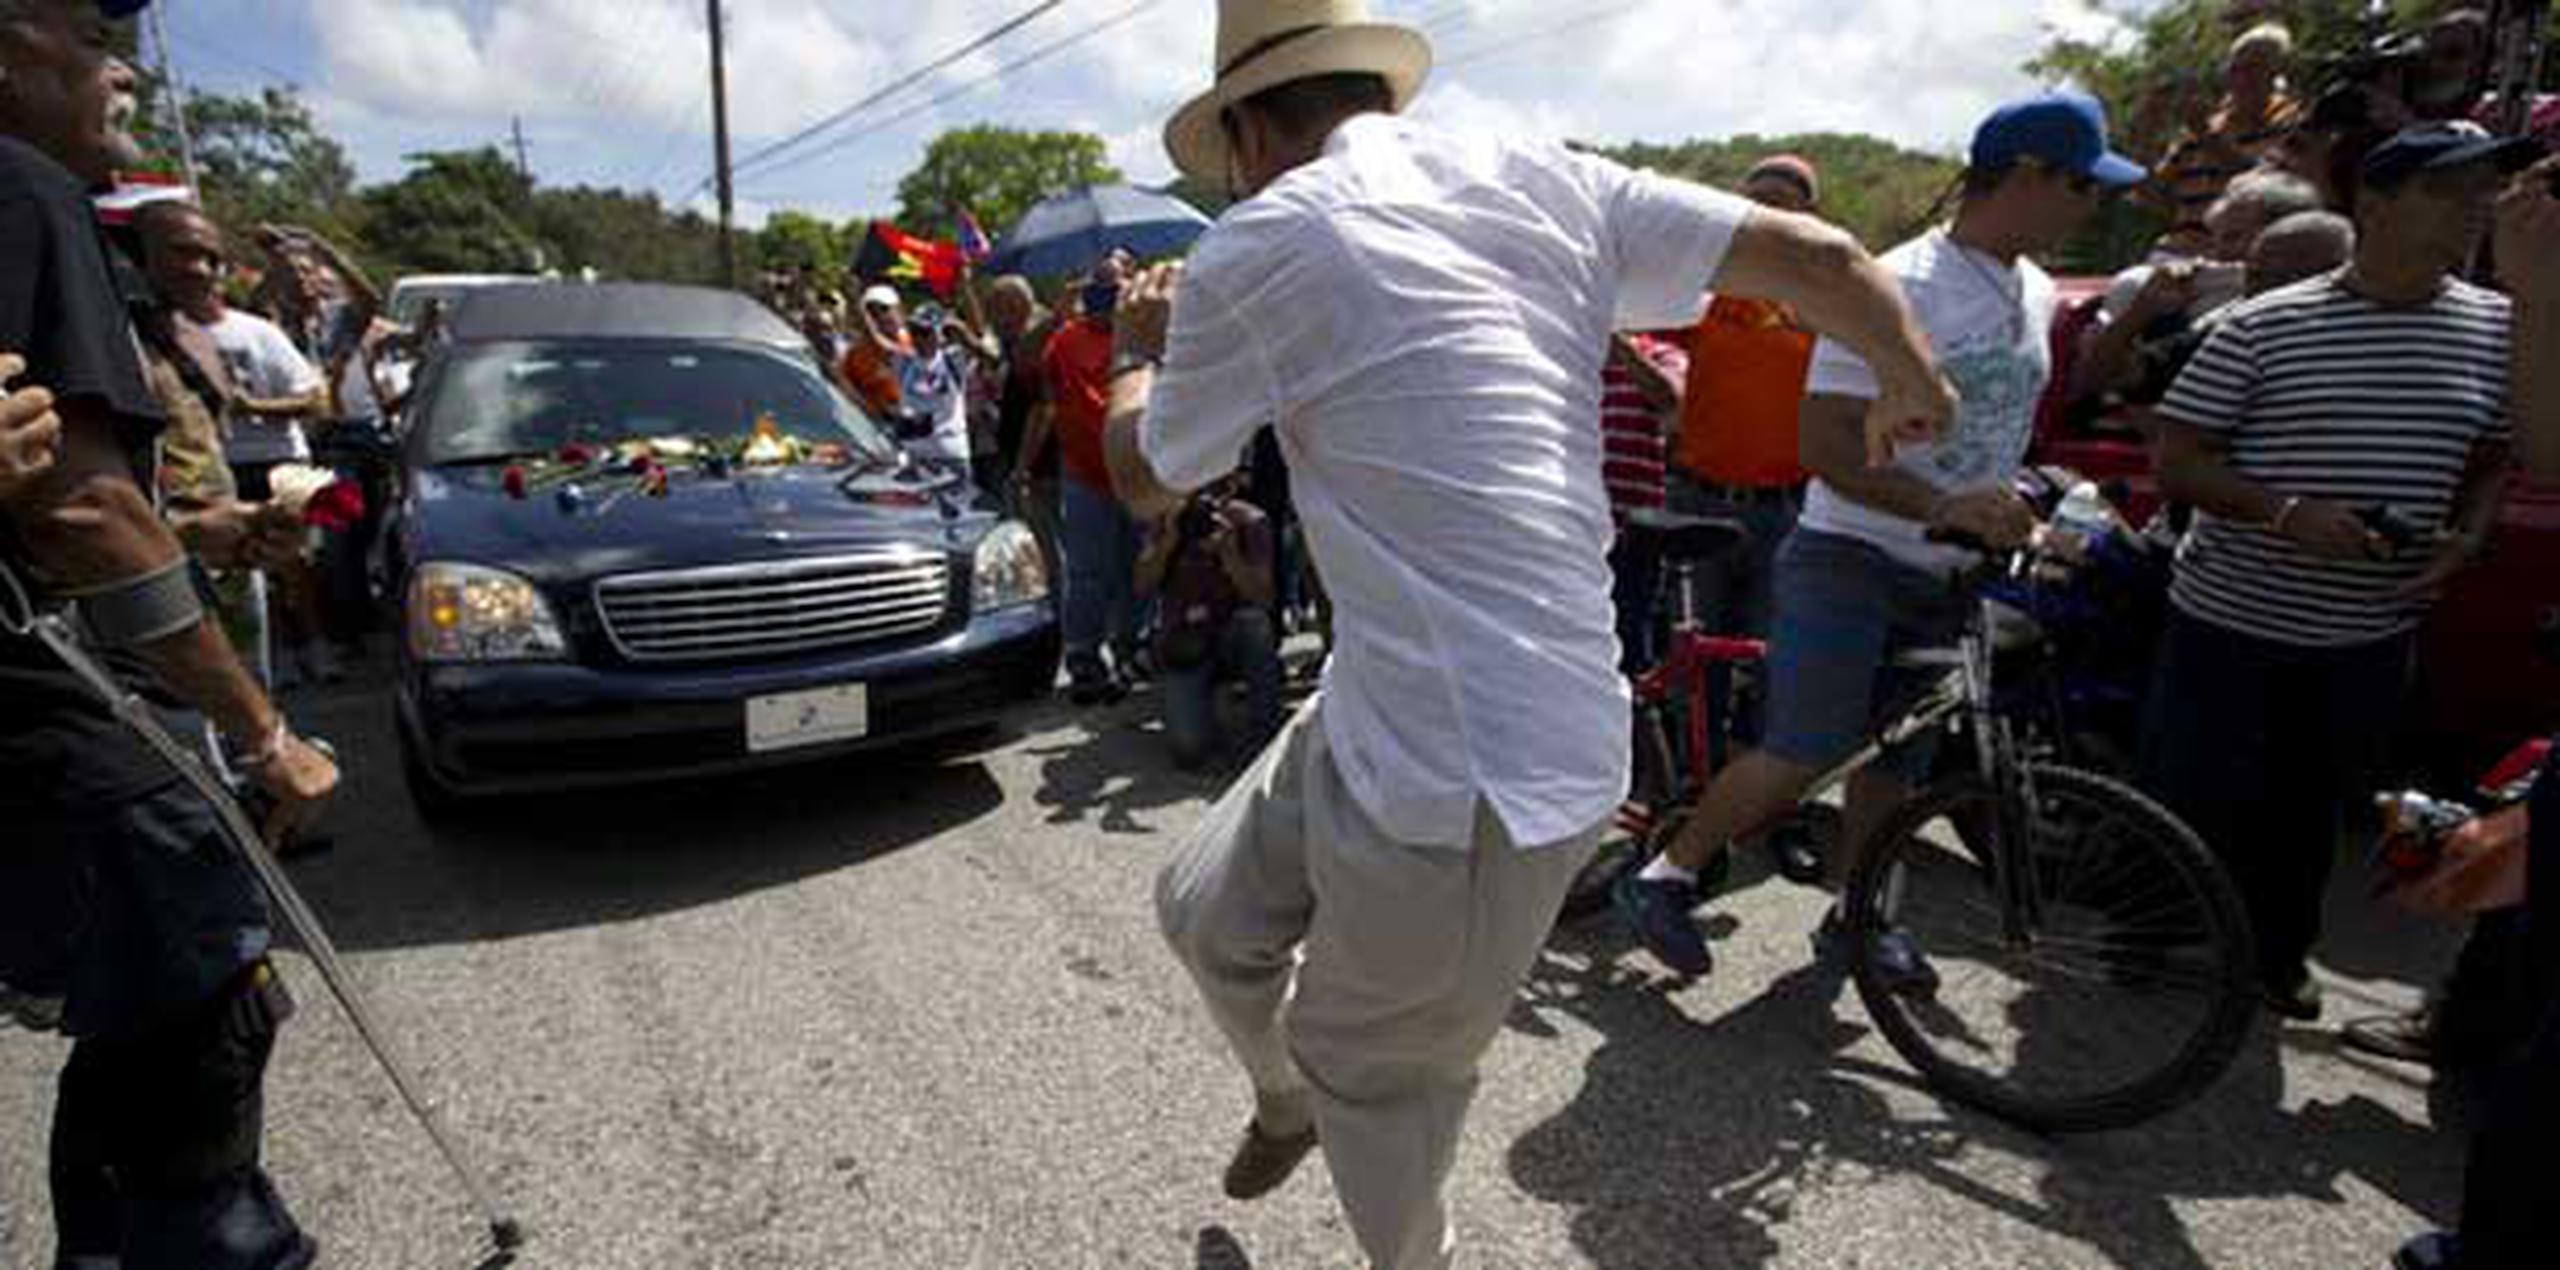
1360 976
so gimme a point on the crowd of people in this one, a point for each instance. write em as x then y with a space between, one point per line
1011 390
1440 373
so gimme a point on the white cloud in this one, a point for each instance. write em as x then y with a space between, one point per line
606 64
615 89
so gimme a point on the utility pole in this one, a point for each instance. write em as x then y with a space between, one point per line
524 167
177 102
720 148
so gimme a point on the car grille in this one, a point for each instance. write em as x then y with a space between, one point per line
761 610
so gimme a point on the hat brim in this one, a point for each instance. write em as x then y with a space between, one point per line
1397 54
2509 155
2117 172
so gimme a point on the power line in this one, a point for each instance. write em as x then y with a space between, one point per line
1487 52
963 89
900 84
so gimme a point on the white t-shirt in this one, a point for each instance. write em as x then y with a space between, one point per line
1425 314
264 364
934 389
1991 325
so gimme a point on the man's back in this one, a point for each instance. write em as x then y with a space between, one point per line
1426 316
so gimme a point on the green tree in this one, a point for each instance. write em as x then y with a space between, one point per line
259 158
798 240
624 236
1871 187
2172 65
263 159
996 174
457 211
2170 70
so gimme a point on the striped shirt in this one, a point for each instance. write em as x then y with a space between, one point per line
2321 393
1636 437
2191 178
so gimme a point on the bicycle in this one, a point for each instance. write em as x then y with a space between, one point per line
1686 708
2094 966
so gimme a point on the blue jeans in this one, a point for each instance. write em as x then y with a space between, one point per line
1101 546
1248 649
2259 747
1844 611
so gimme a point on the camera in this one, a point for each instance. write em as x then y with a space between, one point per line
2395 527
1101 298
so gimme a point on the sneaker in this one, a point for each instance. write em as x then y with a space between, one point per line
1896 954
2406 1038
1658 909
1262 1163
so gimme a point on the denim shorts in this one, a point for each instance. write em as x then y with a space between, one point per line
1843 610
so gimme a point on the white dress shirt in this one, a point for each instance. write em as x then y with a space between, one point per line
1425 315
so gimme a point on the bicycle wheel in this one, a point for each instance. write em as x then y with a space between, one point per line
2115 986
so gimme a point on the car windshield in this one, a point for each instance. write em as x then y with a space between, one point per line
499 400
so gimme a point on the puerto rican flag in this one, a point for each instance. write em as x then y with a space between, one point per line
973 238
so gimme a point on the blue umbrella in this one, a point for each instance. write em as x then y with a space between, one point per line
1075 230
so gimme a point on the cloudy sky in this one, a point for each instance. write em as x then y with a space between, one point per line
616 91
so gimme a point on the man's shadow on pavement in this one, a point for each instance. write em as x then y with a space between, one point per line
1113 764
1691 1140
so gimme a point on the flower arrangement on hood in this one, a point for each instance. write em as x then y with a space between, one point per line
579 474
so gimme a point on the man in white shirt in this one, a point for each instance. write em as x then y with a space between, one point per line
1860 580
279 390
1425 316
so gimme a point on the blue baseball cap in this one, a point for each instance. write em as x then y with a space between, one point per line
2428 147
2063 131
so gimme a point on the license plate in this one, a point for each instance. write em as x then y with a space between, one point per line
792 719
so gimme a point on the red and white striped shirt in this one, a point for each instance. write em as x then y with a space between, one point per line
1636 436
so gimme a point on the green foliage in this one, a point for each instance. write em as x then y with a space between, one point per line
623 235
2172 68
996 174
263 159
800 241
1871 187
457 211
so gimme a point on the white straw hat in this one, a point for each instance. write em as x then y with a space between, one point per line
1266 43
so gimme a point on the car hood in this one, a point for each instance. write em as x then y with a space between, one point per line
586 529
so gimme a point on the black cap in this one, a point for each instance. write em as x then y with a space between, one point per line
2429 147
122 8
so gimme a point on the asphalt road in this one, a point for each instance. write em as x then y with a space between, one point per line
912 1012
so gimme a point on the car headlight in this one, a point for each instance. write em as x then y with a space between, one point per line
1010 571
464 612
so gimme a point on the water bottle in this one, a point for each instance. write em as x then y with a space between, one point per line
2085 514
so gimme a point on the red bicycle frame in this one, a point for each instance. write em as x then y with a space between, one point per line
1683 674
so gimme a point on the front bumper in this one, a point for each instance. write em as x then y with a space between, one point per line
536 726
